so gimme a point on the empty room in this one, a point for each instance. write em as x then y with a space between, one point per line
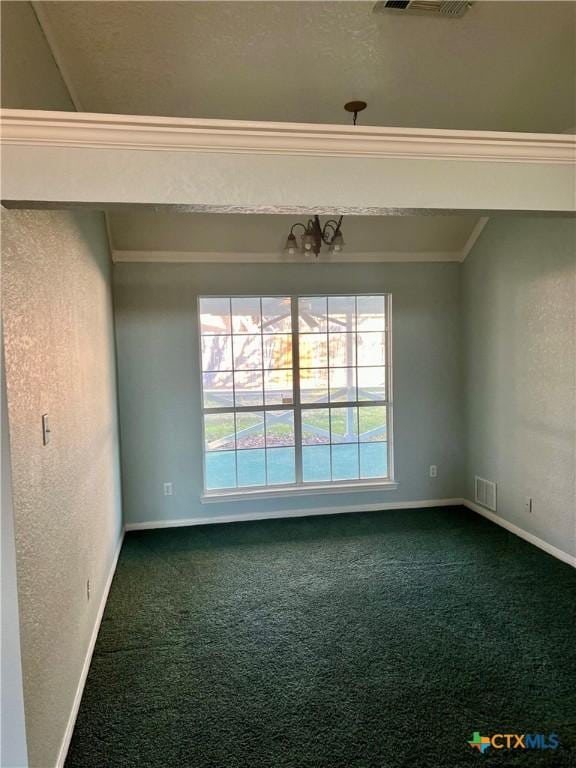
288 384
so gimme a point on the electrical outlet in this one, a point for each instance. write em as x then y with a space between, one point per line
167 489
87 589
433 470
528 505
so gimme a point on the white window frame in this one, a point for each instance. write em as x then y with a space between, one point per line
299 487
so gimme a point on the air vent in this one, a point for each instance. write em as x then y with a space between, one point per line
448 8
485 493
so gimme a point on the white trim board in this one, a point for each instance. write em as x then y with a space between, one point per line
474 235
270 493
65 744
244 517
102 131
559 554
230 257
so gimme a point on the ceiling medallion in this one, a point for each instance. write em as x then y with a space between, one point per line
355 107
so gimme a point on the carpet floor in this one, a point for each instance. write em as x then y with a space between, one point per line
373 640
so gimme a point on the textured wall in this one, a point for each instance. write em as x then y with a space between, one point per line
158 359
59 360
519 296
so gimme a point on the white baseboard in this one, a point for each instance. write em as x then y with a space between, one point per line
529 537
248 516
88 658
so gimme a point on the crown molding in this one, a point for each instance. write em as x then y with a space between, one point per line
101 131
229 257
474 235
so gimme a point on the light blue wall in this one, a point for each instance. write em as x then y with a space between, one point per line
160 405
519 300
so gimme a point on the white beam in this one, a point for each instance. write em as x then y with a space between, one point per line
280 167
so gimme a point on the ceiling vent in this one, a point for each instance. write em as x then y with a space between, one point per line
448 8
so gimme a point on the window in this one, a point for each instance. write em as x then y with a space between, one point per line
296 391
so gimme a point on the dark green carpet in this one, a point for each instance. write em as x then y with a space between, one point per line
373 640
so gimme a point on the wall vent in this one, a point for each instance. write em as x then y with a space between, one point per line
485 493
448 8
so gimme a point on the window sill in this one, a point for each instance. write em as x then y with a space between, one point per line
211 497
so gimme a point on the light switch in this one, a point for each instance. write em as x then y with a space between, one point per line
45 429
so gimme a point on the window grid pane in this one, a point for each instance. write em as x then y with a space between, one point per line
342 349
341 403
342 385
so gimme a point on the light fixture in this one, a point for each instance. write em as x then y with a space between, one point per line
291 244
314 235
337 242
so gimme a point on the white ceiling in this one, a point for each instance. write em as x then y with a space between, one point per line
503 66
244 233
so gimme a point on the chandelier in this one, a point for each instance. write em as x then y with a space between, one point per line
314 235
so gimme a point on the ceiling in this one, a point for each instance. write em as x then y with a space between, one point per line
266 234
503 66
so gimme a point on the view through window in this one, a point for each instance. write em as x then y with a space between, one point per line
295 390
